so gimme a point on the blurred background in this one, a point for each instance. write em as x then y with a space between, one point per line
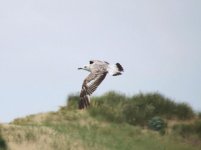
43 42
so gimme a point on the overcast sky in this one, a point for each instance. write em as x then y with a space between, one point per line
43 42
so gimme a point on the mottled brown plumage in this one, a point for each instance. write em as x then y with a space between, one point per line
99 70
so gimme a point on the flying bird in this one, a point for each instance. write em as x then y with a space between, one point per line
98 71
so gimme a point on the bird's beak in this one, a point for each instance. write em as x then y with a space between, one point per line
79 68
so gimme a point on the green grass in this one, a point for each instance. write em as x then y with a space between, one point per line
114 122
82 131
118 137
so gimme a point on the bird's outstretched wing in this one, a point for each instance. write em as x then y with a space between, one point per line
89 85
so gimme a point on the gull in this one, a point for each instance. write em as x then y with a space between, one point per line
98 71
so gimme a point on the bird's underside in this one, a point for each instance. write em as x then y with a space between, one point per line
89 85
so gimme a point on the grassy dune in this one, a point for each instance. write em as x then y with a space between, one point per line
104 126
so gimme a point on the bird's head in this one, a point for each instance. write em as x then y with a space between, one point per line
86 67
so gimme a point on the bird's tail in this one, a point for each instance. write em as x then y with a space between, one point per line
115 70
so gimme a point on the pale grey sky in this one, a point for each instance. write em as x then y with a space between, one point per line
42 42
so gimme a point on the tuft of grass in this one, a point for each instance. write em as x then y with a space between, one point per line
72 101
188 130
108 107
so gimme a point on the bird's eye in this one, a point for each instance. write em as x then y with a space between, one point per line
91 62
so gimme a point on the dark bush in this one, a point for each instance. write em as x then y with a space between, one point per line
3 145
157 124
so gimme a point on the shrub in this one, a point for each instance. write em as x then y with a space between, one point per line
142 107
3 145
157 124
163 106
184 111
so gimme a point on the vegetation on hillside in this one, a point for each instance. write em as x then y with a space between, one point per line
113 121
3 145
152 110
135 110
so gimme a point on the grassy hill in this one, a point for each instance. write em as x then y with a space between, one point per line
113 122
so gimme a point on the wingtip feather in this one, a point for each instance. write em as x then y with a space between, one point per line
120 68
